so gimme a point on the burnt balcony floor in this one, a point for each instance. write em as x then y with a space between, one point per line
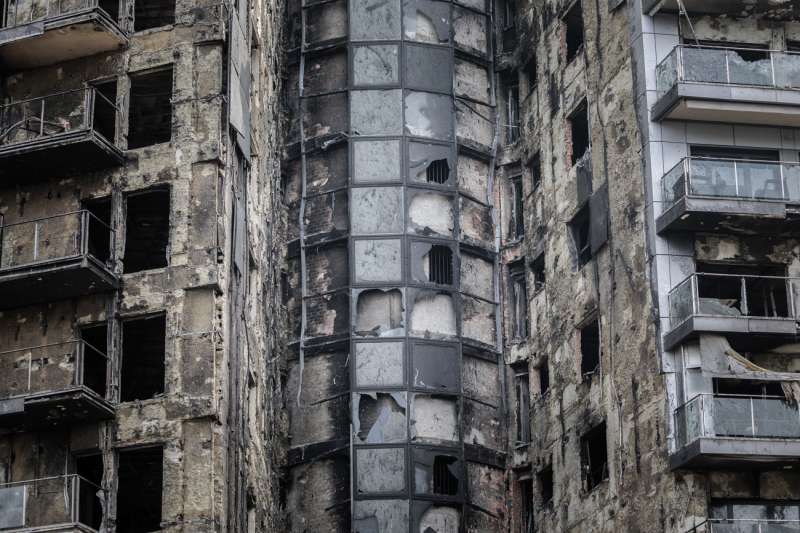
45 410
723 7
729 215
59 38
736 453
55 280
83 150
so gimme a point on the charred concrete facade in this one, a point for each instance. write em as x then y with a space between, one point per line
138 217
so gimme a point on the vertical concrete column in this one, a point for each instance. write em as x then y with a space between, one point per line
396 405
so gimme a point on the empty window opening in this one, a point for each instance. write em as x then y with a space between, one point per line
545 477
748 387
538 272
104 111
579 228
379 312
95 362
742 290
444 481
146 230
518 289
590 348
99 226
523 402
517 222
544 377
508 18
438 171
792 46
143 348
150 114
511 84
730 152
440 265
594 456
530 73
535 167
574 30
525 484
153 14
90 478
139 492
579 132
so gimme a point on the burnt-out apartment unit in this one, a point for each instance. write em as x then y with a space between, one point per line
541 266
137 166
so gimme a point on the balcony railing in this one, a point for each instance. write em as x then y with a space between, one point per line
739 179
53 504
746 525
747 417
53 239
51 369
727 295
22 12
728 66
57 115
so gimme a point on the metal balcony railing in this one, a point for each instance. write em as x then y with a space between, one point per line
49 116
746 417
52 368
54 502
55 238
702 177
22 12
729 295
728 66
746 525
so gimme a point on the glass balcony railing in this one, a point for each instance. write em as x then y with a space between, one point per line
746 525
747 417
732 179
56 238
63 501
51 369
21 12
728 66
57 115
727 295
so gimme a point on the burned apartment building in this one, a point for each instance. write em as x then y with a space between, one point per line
138 162
541 266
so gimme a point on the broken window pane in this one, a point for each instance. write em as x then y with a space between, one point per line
579 132
376 112
376 161
324 115
380 516
150 111
470 30
428 68
436 473
378 260
429 115
590 349
430 214
435 366
376 65
432 518
374 20
379 313
594 456
326 21
388 201
380 470
325 72
434 418
432 314
579 227
426 21
379 417
143 354
518 300
574 30
523 403
430 163
379 364
431 263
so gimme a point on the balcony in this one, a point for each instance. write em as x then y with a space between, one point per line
704 194
734 305
36 33
732 85
730 431
53 385
53 258
746 525
69 131
58 504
